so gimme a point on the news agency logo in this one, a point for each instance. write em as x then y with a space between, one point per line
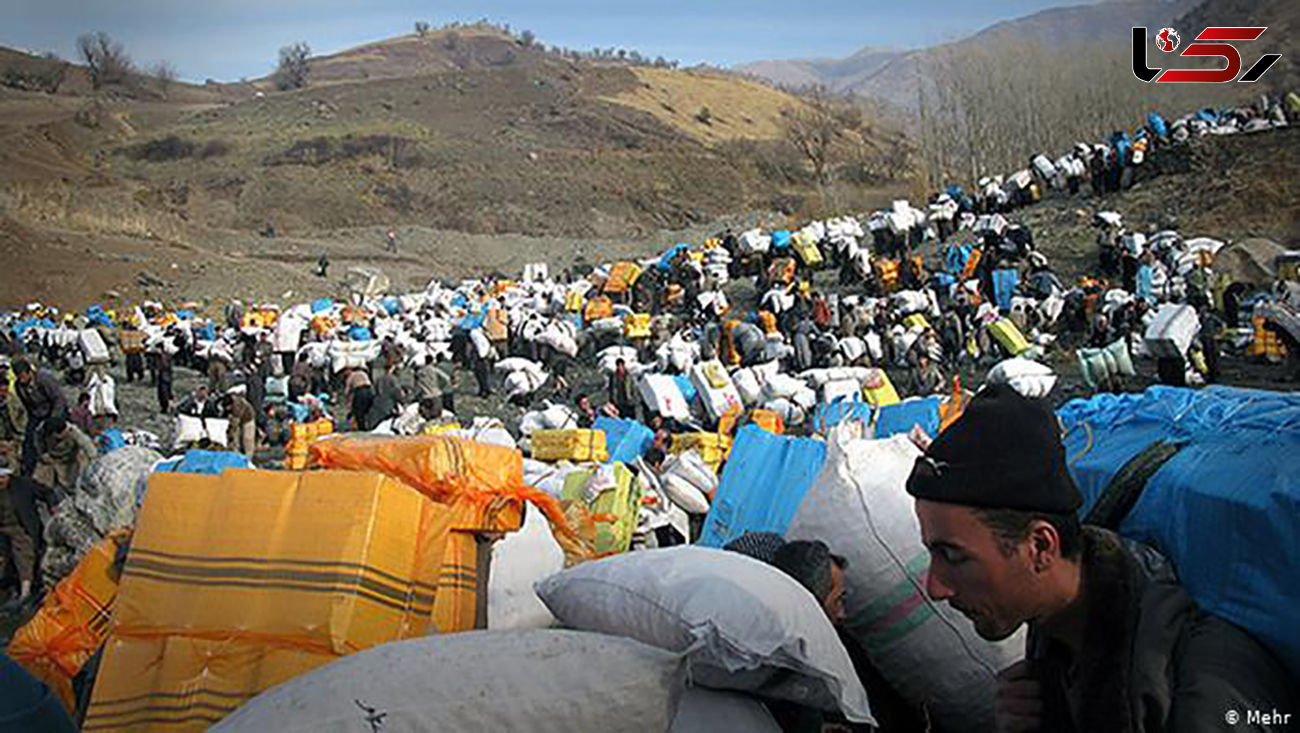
1168 40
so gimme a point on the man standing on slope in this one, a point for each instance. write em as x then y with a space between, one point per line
1115 643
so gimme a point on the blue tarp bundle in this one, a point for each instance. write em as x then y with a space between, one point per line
392 306
665 262
781 238
1145 288
901 416
211 462
689 392
110 440
360 333
1157 124
185 315
471 321
829 414
626 440
23 326
764 482
1223 509
956 258
321 304
206 332
98 316
1005 281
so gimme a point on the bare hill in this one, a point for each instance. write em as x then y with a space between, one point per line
891 76
479 155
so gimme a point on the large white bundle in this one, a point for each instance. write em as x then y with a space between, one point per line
103 394
523 382
819 377
852 348
1171 332
995 223
907 302
545 680
685 495
1021 178
744 624
105 500
846 388
782 385
747 384
1029 378
315 353
536 272
711 711
288 333
486 430
662 395
559 338
1043 167
92 346
518 561
190 429
518 363
875 346
353 354
678 354
691 468
754 241
929 652
716 391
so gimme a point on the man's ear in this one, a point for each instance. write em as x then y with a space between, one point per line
1044 545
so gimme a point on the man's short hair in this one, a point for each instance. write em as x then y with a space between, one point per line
21 366
1011 526
53 427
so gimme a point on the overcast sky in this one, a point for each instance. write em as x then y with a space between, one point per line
229 39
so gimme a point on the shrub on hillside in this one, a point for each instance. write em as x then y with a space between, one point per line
398 152
172 147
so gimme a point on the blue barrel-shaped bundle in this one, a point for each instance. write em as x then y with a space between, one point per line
781 239
360 333
392 306
320 305
762 486
900 417
957 257
1211 478
1005 281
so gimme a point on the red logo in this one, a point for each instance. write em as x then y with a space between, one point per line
1167 40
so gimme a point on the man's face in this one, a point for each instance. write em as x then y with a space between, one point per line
834 602
969 570
25 377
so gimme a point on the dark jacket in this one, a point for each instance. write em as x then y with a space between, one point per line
1152 660
43 397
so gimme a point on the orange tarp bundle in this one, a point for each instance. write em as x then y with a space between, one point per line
448 470
622 276
73 621
235 583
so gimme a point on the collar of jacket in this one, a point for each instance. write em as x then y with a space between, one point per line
1136 612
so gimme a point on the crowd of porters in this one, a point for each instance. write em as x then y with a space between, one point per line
954 287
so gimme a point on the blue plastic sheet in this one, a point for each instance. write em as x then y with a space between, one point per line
689 392
901 416
1004 286
321 304
665 262
956 257
829 414
211 462
110 440
781 239
1223 509
626 440
762 485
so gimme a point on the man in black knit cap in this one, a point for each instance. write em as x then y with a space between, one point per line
1115 643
